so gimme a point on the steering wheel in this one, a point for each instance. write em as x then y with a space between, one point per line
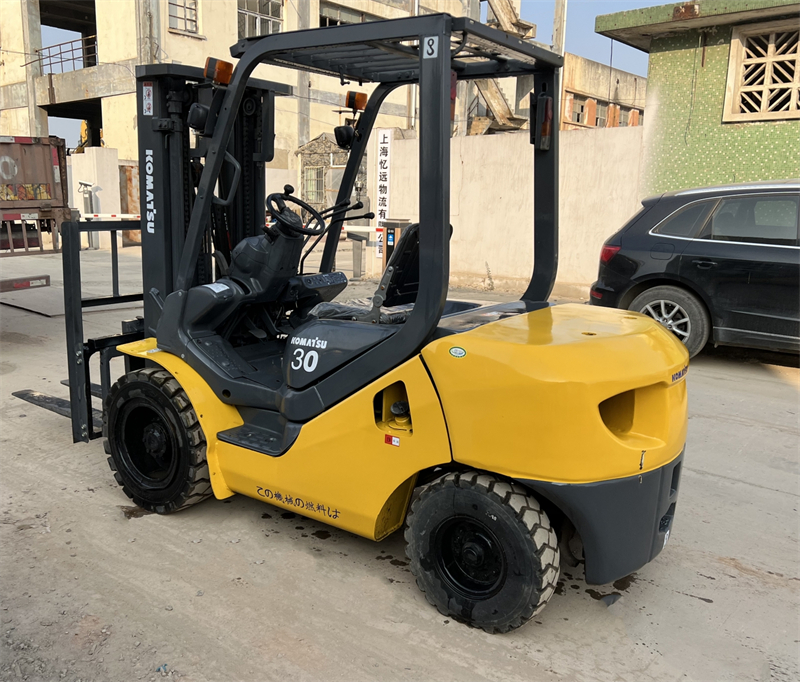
276 204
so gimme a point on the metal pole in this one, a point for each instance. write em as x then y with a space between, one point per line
559 39
545 200
80 404
85 188
357 273
560 26
414 87
114 264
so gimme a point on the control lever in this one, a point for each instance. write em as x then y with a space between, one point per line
342 206
288 190
155 294
338 207
366 216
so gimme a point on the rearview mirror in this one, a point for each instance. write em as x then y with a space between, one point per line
344 136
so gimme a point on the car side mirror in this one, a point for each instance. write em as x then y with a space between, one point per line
344 136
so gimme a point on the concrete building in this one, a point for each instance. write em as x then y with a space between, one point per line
92 78
723 90
594 95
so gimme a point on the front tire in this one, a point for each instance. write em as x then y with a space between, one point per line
482 550
156 445
678 311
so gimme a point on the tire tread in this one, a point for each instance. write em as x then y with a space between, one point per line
529 514
197 486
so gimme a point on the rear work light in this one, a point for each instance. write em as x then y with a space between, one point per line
608 253
218 71
357 101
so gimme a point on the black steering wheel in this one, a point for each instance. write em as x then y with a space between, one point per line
276 204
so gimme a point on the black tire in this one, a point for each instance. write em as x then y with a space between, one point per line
664 301
156 445
482 550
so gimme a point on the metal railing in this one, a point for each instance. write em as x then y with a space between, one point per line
69 56
87 421
21 234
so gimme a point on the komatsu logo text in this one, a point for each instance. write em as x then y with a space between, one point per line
312 343
150 204
680 375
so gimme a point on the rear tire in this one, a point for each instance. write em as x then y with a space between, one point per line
156 445
482 550
679 311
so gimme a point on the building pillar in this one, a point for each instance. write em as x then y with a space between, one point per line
566 109
32 39
466 89
303 87
522 105
590 112
148 28
613 116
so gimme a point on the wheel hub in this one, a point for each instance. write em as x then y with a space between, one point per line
671 316
146 442
155 440
472 554
469 557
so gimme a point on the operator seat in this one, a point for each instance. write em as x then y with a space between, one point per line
401 290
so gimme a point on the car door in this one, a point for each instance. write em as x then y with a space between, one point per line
747 261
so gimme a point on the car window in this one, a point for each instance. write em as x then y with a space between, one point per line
758 220
687 221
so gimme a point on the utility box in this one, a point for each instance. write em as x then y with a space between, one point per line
392 231
33 193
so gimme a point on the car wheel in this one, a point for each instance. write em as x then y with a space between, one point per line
482 550
679 311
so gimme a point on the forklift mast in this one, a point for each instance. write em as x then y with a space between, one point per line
171 157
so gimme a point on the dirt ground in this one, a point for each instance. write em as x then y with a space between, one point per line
94 590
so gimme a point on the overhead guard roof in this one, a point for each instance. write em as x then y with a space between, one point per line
388 51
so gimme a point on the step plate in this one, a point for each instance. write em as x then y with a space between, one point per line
254 438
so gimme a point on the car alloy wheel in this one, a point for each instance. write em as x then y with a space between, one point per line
672 316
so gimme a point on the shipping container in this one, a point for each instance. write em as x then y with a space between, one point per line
33 194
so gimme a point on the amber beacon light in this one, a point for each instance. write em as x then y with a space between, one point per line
218 71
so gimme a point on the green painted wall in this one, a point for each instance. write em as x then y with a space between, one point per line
686 144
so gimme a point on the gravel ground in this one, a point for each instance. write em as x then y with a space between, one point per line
95 590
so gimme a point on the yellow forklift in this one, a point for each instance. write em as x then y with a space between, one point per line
495 434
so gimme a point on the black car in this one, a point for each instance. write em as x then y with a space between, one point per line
718 262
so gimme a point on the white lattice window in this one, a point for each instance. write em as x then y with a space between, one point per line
763 81
183 15
314 184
